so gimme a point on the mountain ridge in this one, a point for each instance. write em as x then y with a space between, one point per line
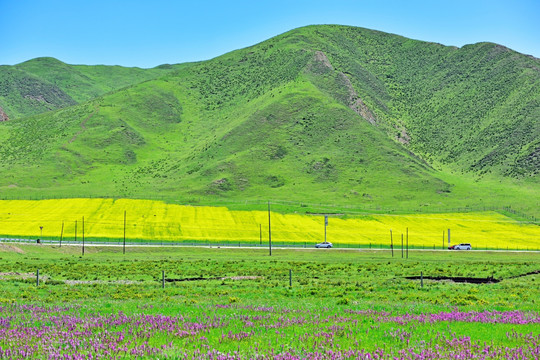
331 112
45 83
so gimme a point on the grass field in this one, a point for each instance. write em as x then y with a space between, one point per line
157 221
239 304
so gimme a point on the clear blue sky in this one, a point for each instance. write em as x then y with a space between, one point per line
149 33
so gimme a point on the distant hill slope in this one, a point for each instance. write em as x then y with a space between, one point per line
45 84
476 107
322 113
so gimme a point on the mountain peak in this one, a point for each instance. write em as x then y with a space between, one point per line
42 61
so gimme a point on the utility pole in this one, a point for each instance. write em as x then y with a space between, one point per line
83 235
269 231
402 245
407 243
443 239
62 233
124 232
391 243
325 225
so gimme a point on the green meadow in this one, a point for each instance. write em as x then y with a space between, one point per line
241 304
335 275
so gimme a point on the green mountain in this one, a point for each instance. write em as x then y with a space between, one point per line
329 114
45 84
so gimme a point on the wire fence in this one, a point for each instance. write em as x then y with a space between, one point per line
290 277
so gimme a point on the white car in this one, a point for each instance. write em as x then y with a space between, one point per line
326 245
460 247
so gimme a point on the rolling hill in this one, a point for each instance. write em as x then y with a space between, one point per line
45 84
330 114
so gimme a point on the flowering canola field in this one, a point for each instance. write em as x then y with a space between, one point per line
157 221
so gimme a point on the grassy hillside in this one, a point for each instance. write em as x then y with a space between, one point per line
473 108
22 93
322 114
45 84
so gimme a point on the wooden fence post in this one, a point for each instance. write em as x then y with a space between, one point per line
290 278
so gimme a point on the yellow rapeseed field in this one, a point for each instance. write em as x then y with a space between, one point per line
157 221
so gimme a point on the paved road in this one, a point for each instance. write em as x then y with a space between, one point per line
264 248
